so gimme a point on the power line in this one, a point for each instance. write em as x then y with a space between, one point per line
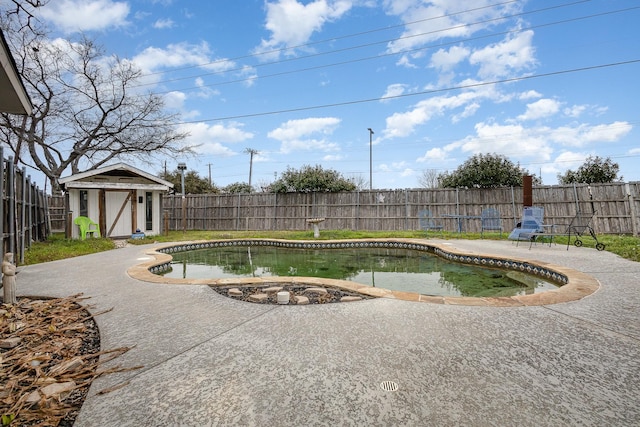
350 48
333 39
426 92
403 52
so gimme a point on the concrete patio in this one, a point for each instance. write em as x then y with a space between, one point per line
211 360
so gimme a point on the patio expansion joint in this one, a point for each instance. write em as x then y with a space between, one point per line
188 349
590 323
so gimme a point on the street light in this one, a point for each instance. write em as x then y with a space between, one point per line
182 167
370 159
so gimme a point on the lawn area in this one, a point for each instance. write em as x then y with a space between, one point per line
57 247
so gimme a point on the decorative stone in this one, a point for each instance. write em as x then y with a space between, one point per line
319 291
10 342
57 389
301 300
350 298
272 289
258 297
235 292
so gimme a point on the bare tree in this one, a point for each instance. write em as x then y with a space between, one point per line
87 109
429 178
359 182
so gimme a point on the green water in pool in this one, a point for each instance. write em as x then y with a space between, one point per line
390 268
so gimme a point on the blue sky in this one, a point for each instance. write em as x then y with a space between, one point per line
544 83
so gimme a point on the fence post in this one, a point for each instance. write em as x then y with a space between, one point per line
2 213
23 216
632 209
11 205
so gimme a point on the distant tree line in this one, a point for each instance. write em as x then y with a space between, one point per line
493 170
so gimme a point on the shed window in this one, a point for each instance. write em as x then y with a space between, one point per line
148 211
84 203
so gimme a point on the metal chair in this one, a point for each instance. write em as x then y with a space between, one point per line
490 220
427 223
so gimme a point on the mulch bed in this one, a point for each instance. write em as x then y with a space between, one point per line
333 295
59 343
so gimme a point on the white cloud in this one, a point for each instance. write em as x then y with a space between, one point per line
468 111
530 94
292 23
575 110
175 100
180 55
297 135
209 139
584 134
565 161
439 19
161 24
514 54
434 154
540 109
404 61
393 90
445 60
404 124
513 141
82 15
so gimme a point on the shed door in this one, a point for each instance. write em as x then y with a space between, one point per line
118 210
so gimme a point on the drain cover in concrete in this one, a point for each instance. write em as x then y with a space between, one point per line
389 386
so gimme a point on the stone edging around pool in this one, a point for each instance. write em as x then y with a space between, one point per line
575 284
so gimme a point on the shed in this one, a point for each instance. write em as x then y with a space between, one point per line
123 200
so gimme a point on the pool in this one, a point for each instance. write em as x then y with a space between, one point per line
393 268
573 284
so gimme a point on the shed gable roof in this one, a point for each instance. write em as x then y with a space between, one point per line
119 175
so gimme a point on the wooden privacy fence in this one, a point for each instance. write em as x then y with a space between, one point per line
24 212
616 205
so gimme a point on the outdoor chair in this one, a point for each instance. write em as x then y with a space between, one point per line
531 223
490 220
427 223
86 225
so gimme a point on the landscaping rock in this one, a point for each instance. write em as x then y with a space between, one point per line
350 299
235 292
258 297
301 300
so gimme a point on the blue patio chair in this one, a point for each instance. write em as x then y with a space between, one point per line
491 221
427 223
532 222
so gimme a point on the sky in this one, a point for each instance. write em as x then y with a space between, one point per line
381 88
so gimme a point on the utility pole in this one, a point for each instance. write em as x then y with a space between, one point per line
370 159
209 164
251 152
